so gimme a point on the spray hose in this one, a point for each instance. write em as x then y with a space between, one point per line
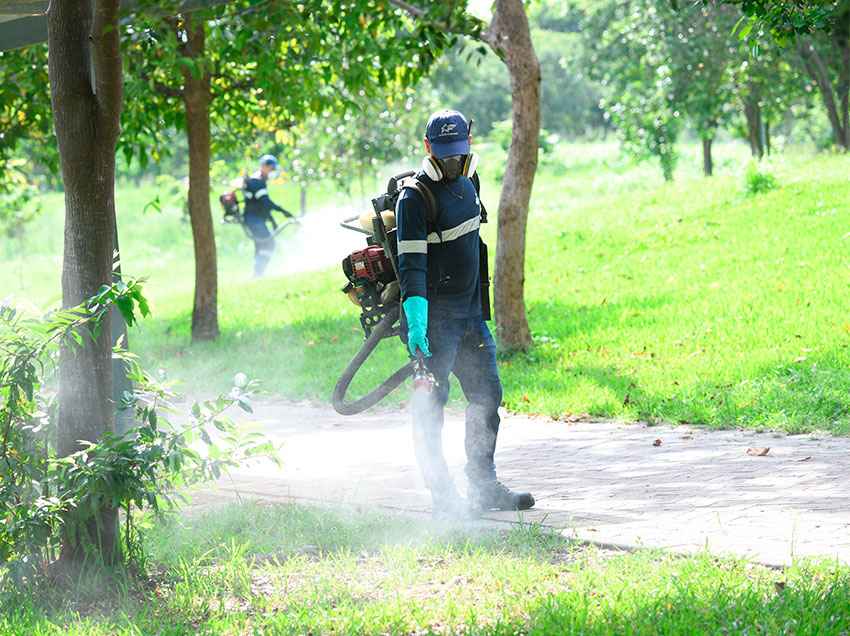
382 330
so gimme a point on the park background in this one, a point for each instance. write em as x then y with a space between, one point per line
692 299
686 263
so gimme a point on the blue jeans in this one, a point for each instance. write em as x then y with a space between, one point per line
263 243
466 348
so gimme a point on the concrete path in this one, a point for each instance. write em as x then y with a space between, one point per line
677 488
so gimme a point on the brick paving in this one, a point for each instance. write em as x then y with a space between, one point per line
598 481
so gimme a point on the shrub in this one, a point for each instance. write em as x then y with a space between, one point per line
42 496
757 180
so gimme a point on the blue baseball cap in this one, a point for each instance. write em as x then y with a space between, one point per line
448 133
269 160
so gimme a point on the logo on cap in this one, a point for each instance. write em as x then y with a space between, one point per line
447 129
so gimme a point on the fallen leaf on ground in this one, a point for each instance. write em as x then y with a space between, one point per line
758 452
805 459
657 442
575 417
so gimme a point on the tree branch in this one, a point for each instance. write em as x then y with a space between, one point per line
415 11
162 89
444 25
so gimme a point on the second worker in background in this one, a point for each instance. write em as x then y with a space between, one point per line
258 212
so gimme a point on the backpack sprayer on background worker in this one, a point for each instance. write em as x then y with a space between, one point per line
373 285
233 215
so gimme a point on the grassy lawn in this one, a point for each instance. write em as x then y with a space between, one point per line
252 569
684 302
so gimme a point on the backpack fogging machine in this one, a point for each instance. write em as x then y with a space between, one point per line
373 285
232 209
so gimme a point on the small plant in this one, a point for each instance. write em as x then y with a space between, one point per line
757 180
43 496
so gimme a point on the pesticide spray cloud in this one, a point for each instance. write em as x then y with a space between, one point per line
317 242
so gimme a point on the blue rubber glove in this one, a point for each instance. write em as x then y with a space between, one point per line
416 310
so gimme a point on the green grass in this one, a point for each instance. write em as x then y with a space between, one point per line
255 569
686 302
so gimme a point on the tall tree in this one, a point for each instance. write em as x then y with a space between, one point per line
630 49
767 86
826 58
820 29
196 96
231 73
85 88
509 36
704 55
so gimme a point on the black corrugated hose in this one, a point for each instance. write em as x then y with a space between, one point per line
382 330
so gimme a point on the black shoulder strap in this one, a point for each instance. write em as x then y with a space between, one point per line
432 212
477 183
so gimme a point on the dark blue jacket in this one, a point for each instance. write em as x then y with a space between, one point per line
442 263
258 204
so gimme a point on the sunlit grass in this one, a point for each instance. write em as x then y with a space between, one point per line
691 301
255 569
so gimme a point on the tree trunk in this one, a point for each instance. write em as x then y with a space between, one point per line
196 98
767 145
818 71
84 66
303 200
752 113
510 38
841 41
707 160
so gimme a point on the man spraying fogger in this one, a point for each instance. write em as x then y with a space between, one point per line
445 306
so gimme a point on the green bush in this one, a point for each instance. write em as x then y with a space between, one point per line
757 180
44 497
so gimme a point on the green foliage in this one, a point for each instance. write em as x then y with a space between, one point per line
25 114
758 180
663 68
344 148
786 19
19 203
569 97
44 497
703 58
631 50
475 81
271 66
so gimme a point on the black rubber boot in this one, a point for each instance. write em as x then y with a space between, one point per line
494 495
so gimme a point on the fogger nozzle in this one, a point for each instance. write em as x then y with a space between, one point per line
423 380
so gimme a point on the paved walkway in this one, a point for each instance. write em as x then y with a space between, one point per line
598 481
